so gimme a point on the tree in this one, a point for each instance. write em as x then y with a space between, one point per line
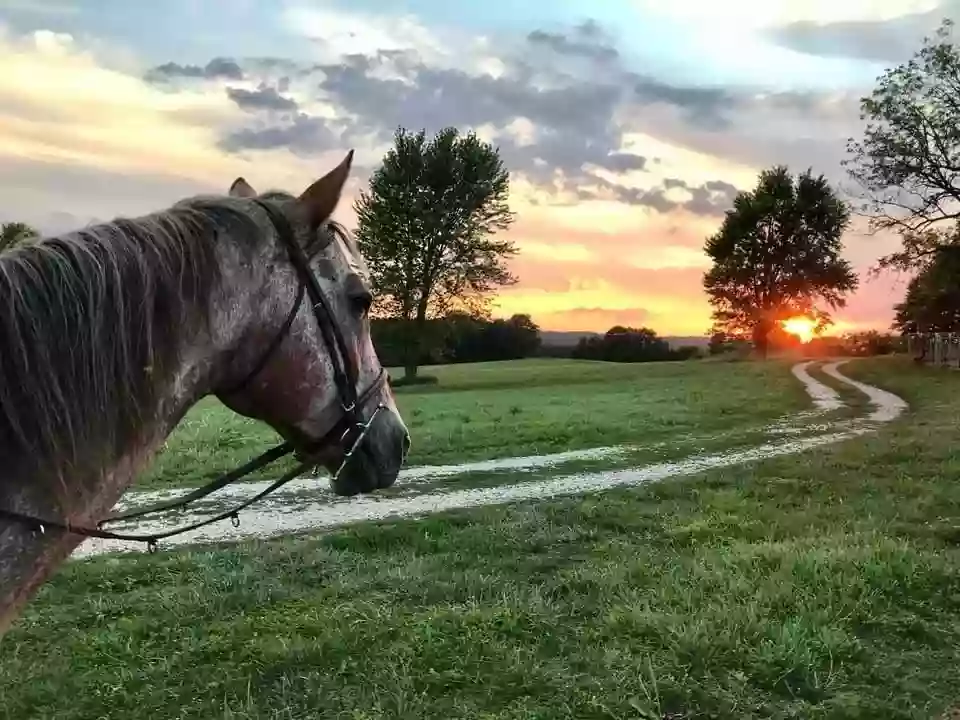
722 342
476 340
511 339
16 233
777 254
426 229
871 343
932 300
908 162
459 338
625 344
390 340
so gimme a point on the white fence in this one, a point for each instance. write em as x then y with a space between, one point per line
940 349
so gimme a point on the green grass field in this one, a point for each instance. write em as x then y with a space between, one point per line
824 585
530 407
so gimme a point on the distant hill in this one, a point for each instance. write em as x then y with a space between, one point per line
560 338
681 340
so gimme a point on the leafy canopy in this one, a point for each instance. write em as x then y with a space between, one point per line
908 162
777 254
16 233
427 225
932 300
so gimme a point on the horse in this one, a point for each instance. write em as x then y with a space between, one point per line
111 333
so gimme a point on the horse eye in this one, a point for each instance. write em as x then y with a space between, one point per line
358 293
363 301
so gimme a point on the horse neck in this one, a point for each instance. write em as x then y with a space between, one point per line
86 491
83 498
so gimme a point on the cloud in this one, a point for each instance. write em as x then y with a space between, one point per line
587 40
884 40
618 174
72 139
59 104
573 145
710 199
668 300
216 69
338 32
304 135
572 91
560 255
619 162
554 252
263 98
574 122
702 106
56 197
800 129
596 319
762 13
556 124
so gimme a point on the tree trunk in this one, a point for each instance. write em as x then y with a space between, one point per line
761 331
411 350
415 343
410 368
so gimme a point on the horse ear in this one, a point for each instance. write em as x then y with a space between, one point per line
241 188
320 199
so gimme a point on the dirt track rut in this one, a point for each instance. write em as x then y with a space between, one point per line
303 506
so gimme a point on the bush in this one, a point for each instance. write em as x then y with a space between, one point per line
413 381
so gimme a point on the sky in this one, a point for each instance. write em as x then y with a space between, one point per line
628 126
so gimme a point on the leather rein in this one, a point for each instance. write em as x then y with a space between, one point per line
351 427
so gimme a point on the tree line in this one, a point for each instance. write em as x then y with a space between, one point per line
456 338
626 344
464 338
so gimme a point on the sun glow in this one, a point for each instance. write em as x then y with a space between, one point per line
803 328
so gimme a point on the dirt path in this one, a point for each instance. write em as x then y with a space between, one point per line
304 506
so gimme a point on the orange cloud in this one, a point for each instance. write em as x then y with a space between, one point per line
596 319
581 273
574 276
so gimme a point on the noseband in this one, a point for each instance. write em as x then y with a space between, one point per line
348 432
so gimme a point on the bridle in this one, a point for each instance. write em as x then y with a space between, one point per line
345 371
351 427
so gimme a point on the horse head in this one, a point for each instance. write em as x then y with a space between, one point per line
307 365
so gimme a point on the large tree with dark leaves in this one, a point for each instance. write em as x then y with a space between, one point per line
16 233
427 229
908 162
932 300
777 254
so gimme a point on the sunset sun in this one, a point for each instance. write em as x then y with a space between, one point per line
803 328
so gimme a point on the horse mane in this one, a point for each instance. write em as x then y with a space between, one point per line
90 322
